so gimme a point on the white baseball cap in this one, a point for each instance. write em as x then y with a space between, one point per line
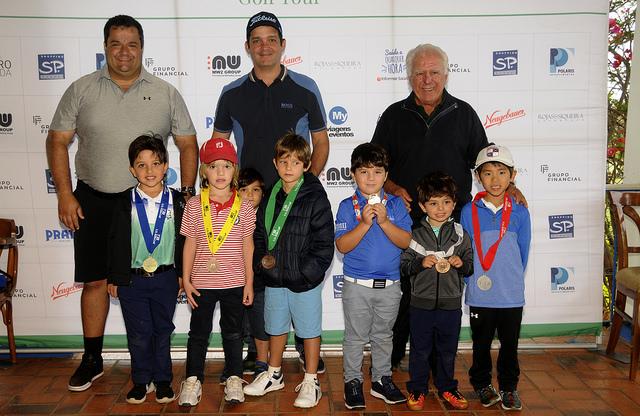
495 153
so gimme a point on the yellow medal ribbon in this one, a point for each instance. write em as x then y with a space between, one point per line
216 242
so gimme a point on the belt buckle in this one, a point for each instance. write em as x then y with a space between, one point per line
143 273
379 283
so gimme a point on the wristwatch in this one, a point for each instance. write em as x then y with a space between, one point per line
188 189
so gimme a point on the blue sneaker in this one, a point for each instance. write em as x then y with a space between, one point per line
386 390
510 400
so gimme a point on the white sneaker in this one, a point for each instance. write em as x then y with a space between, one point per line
309 395
264 383
233 390
190 392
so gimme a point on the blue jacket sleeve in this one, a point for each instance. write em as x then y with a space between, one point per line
524 236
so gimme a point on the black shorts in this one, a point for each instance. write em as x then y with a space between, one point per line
256 317
90 240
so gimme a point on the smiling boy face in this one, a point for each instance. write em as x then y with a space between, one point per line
495 178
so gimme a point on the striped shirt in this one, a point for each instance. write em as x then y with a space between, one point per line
231 273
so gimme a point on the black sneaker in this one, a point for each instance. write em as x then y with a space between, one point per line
510 400
353 396
249 363
321 367
138 393
164 392
386 390
488 396
89 370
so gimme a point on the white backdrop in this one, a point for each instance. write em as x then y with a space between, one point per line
550 111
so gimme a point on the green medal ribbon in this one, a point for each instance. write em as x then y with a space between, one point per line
284 212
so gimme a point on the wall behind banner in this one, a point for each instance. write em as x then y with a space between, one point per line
535 73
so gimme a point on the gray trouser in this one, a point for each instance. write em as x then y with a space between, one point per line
369 315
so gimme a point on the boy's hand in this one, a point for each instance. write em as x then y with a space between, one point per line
380 212
113 290
247 296
429 261
455 261
189 290
181 289
368 213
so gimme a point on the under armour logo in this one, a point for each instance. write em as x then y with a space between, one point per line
146 98
474 315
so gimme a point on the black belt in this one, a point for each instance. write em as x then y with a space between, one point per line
161 269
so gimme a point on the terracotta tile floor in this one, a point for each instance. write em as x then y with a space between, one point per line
568 382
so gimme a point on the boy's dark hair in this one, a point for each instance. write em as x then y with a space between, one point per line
122 20
247 176
369 155
296 145
479 168
437 184
151 142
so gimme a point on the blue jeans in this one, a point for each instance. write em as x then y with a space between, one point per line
231 312
429 329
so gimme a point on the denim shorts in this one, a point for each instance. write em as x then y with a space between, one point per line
304 309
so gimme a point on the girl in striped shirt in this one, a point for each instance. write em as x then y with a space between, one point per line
217 267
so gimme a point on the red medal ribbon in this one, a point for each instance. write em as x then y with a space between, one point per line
487 261
356 205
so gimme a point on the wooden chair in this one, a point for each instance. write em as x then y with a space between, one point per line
10 276
627 278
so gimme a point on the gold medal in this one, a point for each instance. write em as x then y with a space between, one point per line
443 265
484 283
213 265
268 261
150 265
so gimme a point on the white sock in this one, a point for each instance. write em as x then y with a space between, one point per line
310 377
275 370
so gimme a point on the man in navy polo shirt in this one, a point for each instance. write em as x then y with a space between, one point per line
270 101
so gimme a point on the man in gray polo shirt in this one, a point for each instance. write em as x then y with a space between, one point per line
106 110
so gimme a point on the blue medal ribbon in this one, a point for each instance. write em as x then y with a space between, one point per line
152 241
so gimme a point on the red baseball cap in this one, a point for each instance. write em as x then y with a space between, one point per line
215 149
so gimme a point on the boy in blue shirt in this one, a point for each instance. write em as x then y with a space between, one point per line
372 229
500 231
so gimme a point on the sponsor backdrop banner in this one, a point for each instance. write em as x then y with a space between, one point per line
535 72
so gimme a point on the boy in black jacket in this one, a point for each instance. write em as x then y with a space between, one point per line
293 250
144 261
438 258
